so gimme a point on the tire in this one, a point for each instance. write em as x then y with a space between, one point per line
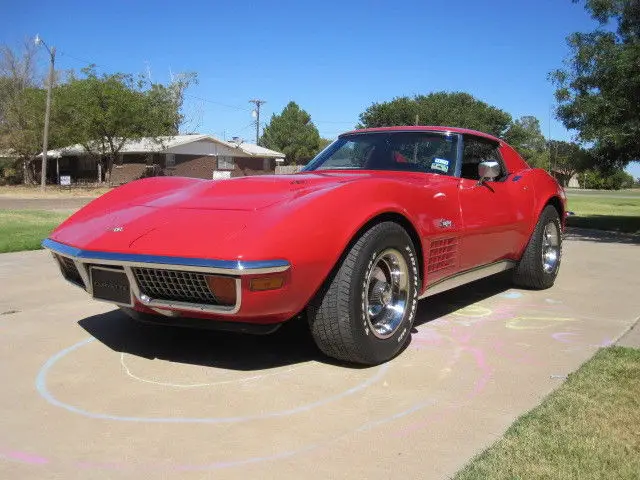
351 318
540 262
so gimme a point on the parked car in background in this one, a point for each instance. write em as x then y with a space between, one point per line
378 220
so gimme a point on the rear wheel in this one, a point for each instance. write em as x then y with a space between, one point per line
364 312
540 262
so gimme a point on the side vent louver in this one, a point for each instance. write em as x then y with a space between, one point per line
442 254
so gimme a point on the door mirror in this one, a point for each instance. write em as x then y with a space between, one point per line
488 171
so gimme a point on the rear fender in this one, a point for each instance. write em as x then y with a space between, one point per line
547 191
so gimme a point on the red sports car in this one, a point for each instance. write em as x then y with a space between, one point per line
378 220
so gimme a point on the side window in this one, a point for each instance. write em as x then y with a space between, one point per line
423 153
478 150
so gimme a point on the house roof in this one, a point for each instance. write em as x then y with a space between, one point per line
164 144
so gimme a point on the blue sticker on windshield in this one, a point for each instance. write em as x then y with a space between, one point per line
440 164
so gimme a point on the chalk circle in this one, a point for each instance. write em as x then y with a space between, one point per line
247 379
41 387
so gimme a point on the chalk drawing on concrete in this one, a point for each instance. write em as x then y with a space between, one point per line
253 378
41 387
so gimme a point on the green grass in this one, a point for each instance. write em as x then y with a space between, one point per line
605 212
587 429
25 229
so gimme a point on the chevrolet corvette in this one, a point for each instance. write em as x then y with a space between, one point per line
379 219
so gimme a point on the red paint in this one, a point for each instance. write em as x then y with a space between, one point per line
308 219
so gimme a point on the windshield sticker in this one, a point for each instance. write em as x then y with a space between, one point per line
440 164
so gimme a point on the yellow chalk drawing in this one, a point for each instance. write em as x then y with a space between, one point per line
535 323
472 311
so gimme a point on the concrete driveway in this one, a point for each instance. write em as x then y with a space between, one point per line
87 393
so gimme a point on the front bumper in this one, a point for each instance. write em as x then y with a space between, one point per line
76 265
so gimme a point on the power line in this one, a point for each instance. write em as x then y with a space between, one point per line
218 103
82 60
242 129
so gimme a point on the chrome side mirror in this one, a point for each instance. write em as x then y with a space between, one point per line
488 171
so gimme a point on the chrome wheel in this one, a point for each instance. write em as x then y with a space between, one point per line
550 247
386 293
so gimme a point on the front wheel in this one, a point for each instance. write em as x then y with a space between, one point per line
365 311
540 262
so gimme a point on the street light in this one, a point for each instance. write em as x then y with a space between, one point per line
45 141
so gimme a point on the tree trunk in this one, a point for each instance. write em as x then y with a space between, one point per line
109 168
28 174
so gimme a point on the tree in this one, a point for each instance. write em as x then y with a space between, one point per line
104 112
17 72
456 109
324 143
525 136
598 90
100 112
292 133
568 159
21 106
612 179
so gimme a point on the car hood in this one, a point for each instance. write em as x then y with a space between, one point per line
152 231
200 219
241 194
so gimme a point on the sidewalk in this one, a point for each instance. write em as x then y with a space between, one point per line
632 337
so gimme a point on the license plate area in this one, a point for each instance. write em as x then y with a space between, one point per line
110 285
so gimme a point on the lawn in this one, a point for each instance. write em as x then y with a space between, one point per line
588 429
605 211
25 229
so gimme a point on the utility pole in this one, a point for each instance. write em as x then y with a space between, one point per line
45 139
257 103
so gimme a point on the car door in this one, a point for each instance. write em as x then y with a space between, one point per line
489 217
435 203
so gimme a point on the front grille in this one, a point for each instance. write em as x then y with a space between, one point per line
69 270
174 285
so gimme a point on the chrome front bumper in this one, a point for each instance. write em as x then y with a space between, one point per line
84 260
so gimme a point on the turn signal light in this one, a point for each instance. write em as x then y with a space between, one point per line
223 288
272 282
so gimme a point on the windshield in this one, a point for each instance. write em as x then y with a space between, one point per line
431 152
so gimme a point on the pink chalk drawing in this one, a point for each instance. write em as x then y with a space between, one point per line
23 457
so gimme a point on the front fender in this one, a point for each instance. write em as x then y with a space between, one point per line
313 232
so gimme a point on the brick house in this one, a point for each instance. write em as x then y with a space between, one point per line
198 156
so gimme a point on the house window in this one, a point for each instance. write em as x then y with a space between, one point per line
225 163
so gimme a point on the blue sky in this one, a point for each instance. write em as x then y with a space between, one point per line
333 58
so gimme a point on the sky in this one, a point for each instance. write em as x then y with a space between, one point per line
332 58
